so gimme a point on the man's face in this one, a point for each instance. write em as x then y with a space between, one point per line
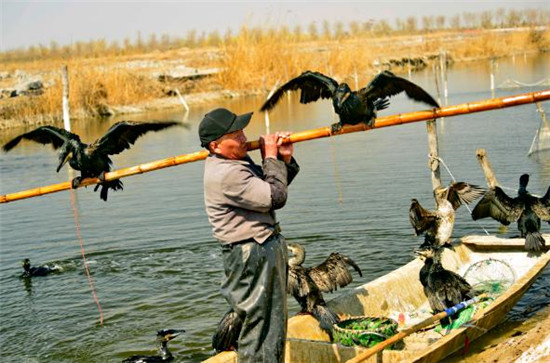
231 146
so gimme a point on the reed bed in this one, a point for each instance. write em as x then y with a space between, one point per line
251 62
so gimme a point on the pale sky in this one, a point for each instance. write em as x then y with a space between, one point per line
25 23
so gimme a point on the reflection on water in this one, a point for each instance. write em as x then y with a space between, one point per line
150 250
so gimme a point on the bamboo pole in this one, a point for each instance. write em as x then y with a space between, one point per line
394 339
380 122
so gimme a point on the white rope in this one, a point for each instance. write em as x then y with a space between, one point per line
454 180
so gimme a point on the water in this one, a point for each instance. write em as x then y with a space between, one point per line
149 248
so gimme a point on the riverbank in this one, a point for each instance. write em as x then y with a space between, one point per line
527 341
104 87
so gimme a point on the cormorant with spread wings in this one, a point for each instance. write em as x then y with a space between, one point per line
92 160
352 107
527 209
438 224
307 284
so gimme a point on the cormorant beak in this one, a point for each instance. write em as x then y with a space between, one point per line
68 157
174 333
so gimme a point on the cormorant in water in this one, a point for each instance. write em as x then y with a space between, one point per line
163 337
35 271
308 284
352 107
438 224
443 288
92 160
227 334
527 209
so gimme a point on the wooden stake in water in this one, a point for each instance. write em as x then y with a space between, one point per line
487 168
443 69
66 114
433 163
493 77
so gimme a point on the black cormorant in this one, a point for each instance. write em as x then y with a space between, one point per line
443 288
92 160
352 107
35 271
308 284
527 209
438 224
163 337
227 333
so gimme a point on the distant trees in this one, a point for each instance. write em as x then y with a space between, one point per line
326 31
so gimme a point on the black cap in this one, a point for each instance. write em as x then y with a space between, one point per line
219 122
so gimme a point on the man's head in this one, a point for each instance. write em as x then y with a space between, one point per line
221 132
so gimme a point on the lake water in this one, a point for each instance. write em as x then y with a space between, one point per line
149 248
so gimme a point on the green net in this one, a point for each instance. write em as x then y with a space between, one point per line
364 331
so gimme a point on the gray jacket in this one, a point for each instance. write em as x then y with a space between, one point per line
240 197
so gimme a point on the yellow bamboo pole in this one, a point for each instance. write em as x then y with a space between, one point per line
380 122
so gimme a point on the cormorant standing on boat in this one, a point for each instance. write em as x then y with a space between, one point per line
527 209
438 224
92 160
443 288
227 333
308 284
163 337
352 107
35 271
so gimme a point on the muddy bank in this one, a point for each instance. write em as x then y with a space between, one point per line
528 341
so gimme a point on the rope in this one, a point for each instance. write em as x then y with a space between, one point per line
454 180
81 241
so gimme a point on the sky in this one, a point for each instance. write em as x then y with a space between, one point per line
25 23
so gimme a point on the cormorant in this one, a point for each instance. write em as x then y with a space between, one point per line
35 271
92 160
438 224
163 337
308 284
527 209
352 107
443 288
227 333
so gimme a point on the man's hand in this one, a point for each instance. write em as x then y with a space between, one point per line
285 150
269 146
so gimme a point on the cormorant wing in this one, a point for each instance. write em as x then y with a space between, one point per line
44 135
123 134
497 205
333 272
298 283
451 287
541 206
314 85
421 219
463 193
386 84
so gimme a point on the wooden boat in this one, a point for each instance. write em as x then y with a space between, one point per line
400 293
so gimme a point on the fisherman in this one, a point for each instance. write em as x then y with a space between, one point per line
241 198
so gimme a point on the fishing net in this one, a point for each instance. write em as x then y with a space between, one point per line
364 331
541 141
490 276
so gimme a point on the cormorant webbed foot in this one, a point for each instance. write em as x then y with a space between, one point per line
75 183
335 128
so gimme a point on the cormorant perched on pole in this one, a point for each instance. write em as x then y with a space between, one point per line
163 337
527 209
92 160
352 107
443 288
438 224
307 284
